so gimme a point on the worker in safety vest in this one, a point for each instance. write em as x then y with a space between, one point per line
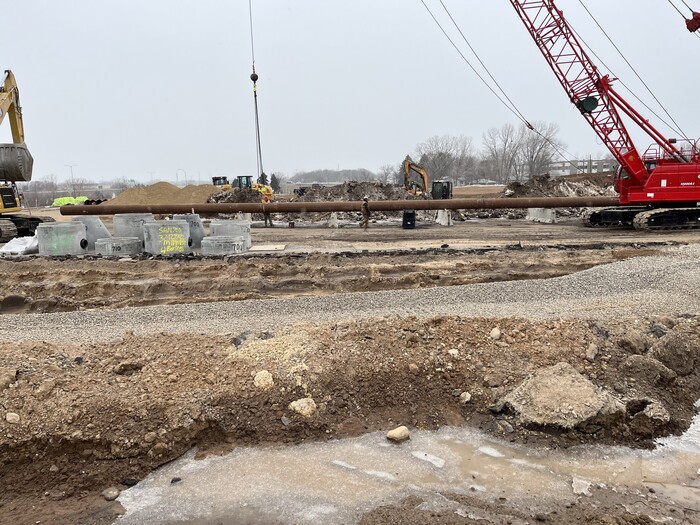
365 212
267 215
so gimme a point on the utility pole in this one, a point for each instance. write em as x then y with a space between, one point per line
72 181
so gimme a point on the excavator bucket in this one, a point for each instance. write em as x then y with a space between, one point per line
16 163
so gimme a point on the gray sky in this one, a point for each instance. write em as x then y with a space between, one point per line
124 88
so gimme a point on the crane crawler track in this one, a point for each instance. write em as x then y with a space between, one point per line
616 217
664 219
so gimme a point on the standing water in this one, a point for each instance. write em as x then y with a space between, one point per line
336 482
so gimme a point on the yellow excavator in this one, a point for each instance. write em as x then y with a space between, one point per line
416 188
16 165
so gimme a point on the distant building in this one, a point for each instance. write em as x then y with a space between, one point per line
565 167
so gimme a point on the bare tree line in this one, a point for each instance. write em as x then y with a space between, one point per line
508 153
44 190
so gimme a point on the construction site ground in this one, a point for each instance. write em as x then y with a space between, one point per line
110 368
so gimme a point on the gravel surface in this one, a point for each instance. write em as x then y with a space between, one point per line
665 284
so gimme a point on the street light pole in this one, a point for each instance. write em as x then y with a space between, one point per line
72 181
183 171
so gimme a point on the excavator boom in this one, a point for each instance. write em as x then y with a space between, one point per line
16 162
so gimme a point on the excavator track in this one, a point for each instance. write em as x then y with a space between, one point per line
12 226
665 219
8 230
616 217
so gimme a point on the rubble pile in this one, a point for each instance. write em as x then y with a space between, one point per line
236 195
355 191
546 186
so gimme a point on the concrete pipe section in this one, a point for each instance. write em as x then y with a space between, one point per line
300 207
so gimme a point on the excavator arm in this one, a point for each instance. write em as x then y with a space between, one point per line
15 160
411 186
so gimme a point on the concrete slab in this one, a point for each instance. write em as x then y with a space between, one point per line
267 248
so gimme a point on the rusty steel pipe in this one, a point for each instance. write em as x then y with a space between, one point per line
329 206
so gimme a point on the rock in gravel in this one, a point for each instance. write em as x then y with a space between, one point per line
45 389
305 406
559 396
126 368
581 486
678 351
7 377
648 370
495 334
465 397
110 494
633 342
263 380
413 368
398 435
649 420
12 418
591 352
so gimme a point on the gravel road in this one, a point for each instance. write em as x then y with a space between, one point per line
665 284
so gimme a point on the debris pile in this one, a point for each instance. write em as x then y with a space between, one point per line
236 195
165 193
355 191
576 186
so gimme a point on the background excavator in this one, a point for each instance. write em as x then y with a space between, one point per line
419 187
441 189
16 165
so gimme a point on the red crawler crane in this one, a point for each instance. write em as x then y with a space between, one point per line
661 188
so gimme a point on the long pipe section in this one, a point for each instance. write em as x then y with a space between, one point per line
326 206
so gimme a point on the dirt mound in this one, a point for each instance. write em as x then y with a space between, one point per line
84 417
546 186
165 193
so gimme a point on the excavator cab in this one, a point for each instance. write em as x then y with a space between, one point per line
442 189
245 182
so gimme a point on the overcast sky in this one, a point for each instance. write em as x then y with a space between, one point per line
127 87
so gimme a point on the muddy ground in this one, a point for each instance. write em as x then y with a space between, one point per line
33 284
90 416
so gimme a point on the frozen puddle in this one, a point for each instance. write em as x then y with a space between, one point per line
335 482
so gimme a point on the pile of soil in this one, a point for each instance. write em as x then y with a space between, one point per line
77 418
575 186
165 193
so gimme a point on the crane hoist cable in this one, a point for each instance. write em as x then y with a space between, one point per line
679 129
254 77
510 105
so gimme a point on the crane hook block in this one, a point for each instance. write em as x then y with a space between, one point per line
693 24
254 77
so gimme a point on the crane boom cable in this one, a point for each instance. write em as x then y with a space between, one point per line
522 117
471 66
622 83
254 78
633 69
510 105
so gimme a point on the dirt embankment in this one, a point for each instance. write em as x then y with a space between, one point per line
79 418
165 193
39 285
